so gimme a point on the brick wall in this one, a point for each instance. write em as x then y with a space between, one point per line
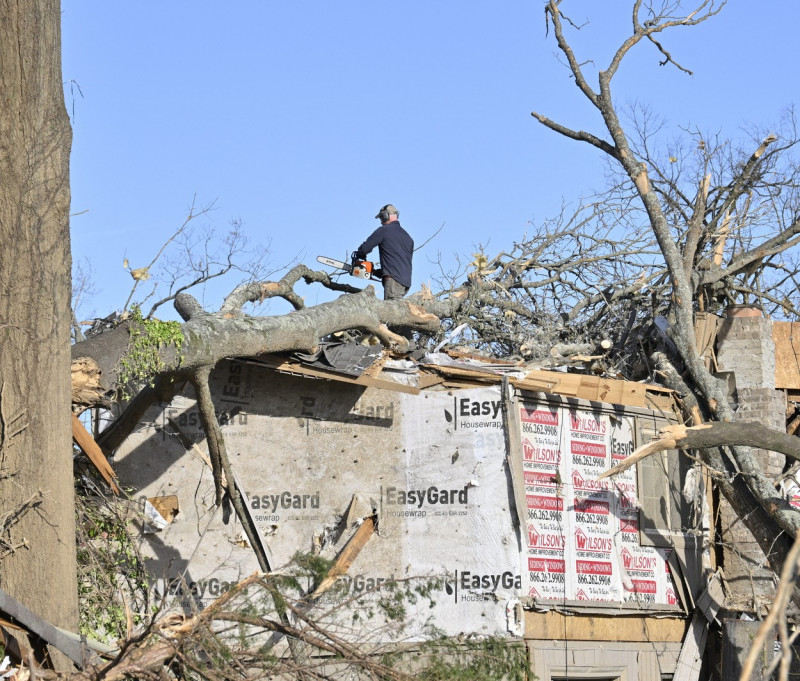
745 347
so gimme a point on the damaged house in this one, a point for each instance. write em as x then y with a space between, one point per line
477 479
502 497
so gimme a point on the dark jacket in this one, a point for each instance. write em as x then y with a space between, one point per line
395 247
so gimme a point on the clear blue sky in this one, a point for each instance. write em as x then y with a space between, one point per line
302 118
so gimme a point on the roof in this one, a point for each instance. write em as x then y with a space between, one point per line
447 370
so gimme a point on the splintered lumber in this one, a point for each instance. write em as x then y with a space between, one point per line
89 447
87 388
345 559
668 438
641 453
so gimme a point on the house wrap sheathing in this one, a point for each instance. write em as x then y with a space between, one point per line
481 483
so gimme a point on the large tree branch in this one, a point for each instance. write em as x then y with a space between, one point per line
786 239
695 230
741 181
552 10
738 435
714 434
579 135
257 292
209 338
772 521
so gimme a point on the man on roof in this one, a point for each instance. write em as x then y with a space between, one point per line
395 248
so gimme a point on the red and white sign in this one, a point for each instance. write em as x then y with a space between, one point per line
583 533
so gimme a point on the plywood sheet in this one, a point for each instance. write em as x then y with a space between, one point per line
586 387
557 626
786 336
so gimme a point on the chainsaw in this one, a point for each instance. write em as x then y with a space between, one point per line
361 269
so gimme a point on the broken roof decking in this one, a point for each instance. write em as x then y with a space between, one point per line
466 370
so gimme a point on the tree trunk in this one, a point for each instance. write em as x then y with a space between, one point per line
35 265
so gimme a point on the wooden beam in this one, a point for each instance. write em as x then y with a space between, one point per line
348 554
691 656
89 447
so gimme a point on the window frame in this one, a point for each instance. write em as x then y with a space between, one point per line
663 526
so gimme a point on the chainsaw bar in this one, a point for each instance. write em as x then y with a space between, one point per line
335 263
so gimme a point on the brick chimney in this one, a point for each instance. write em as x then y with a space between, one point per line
745 348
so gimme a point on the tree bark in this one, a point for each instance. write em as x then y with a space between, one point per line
35 264
211 337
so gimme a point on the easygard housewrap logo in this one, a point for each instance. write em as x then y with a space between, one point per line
470 414
320 416
419 502
268 506
475 586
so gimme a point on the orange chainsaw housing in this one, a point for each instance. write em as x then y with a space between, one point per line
363 269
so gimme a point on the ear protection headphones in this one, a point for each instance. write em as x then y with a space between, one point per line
384 213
